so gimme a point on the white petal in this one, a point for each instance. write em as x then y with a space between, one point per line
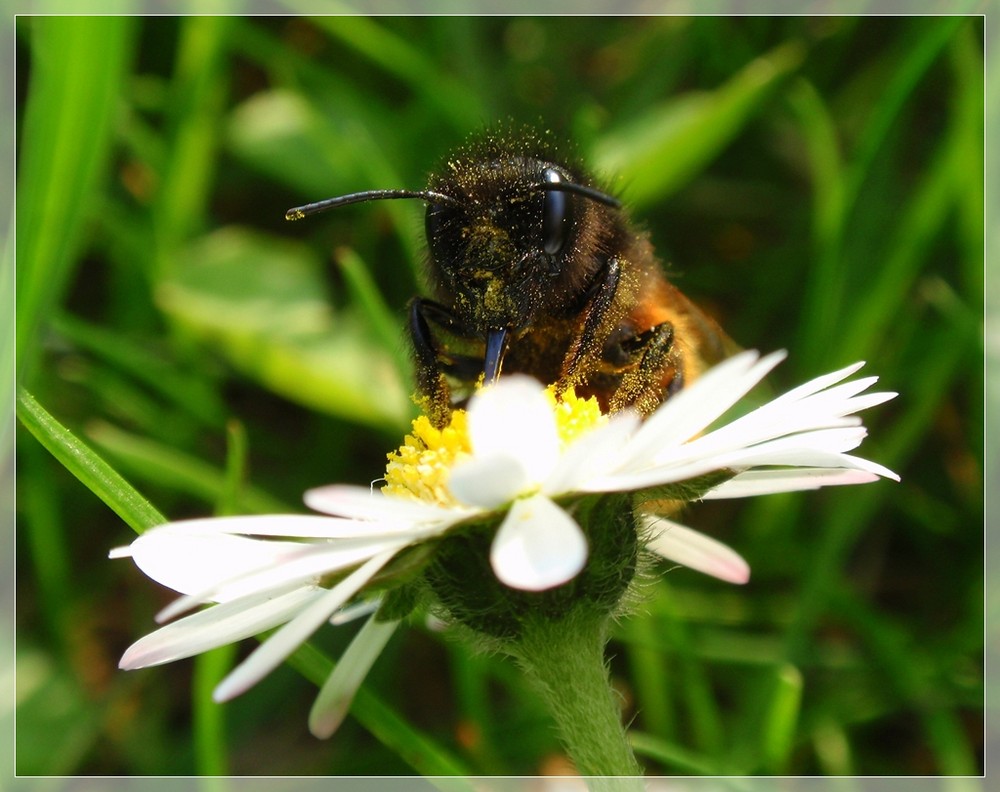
266 657
866 464
217 625
308 562
822 448
767 482
538 546
305 526
356 610
515 419
362 503
337 693
766 423
190 558
694 549
488 482
820 383
781 417
592 455
693 409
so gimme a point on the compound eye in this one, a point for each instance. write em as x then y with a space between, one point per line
555 214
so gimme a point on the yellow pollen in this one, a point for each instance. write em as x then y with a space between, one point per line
420 467
574 416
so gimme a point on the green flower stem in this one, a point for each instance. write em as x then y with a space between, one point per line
564 660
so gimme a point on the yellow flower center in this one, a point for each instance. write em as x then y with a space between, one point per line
574 416
420 467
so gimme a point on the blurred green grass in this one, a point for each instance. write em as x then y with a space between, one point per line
816 183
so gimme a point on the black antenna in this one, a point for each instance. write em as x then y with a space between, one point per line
298 212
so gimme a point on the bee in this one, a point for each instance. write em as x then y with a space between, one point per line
535 268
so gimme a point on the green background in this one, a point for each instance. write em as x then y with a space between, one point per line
814 182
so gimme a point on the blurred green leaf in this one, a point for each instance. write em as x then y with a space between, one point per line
694 688
187 391
56 723
8 363
261 302
839 182
654 154
281 134
318 154
67 133
913 670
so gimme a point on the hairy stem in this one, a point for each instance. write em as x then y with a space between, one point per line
564 661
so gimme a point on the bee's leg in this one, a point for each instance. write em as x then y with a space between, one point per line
585 342
657 374
432 386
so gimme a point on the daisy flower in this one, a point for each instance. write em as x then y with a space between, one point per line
518 456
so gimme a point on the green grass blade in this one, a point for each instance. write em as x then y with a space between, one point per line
92 471
190 392
967 65
414 747
780 717
198 98
655 154
235 470
209 717
825 276
939 366
651 677
7 342
397 56
385 325
66 137
915 673
39 505
921 219
929 37
169 467
674 757
691 679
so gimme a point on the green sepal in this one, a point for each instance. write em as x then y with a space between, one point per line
682 492
466 588
399 602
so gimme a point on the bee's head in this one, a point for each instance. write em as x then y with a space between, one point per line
518 237
514 236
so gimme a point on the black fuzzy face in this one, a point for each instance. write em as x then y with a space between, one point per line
511 248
